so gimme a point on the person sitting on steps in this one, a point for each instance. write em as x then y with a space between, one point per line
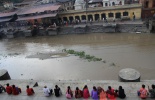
29 91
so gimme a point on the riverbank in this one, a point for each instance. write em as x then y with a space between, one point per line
129 87
136 26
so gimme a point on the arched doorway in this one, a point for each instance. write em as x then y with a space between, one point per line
113 3
83 17
71 18
65 19
103 16
106 4
77 17
90 17
118 15
97 17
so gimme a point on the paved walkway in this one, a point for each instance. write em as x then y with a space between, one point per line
129 87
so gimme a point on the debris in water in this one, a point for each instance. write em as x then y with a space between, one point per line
112 64
104 61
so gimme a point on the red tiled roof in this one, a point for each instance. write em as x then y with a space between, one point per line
40 8
36 17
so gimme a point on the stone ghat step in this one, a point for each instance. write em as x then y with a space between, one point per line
35 97
129 87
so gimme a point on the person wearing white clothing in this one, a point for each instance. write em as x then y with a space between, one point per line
47 91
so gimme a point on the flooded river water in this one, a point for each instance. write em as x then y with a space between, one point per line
117 50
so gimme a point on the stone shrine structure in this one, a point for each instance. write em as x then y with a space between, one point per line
80 4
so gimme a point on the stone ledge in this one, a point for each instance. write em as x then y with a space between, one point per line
129 87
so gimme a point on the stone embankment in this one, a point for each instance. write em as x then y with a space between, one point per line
109 28
96 27
129 87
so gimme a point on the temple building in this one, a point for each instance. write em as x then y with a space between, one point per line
104 9
114 10
80 4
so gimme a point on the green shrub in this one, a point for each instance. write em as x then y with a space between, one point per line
82 54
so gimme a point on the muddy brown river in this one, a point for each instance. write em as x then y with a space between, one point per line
41 58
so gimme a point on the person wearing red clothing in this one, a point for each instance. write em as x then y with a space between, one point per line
86 93
143 92
15 90
111 93
29 91
8 89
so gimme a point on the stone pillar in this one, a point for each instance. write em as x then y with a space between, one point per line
100 15
114 15
103 3
73 17
67 17
121 14
86 17
93 17
80 17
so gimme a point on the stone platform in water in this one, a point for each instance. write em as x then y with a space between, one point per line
4 75
129 75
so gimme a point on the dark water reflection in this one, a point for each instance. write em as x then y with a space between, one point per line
124 50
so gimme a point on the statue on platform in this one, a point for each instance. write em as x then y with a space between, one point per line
80 4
